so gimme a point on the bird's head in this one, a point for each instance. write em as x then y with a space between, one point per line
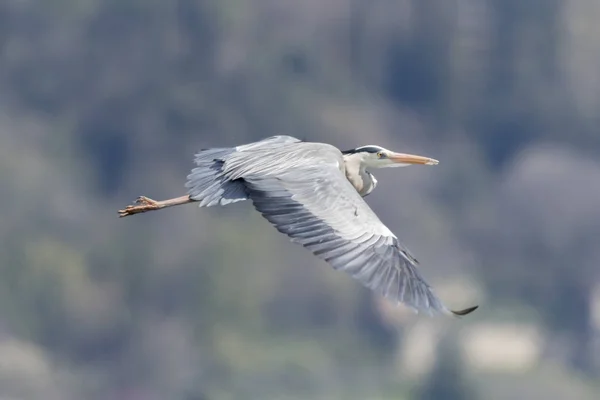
377 157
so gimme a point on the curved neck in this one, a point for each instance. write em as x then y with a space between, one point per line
363 181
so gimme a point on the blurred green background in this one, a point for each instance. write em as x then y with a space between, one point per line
105 100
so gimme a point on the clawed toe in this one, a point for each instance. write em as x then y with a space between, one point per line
143 200
143 204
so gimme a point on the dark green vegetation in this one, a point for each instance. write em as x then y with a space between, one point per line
102 101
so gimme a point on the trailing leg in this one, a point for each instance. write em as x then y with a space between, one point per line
144 204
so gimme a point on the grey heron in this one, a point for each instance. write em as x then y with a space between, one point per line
313 192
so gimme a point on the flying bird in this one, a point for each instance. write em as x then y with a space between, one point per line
313 192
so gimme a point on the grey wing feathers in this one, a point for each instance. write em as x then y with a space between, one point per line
207 183
374 260
316 206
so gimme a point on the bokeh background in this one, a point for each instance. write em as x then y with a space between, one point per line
105 100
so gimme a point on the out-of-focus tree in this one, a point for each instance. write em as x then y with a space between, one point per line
448 379
101 101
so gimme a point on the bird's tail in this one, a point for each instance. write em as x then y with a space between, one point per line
207 184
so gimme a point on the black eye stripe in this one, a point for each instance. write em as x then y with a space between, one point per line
365 149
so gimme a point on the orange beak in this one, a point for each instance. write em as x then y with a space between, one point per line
412 159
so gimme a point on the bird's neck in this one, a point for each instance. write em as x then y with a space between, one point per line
363 181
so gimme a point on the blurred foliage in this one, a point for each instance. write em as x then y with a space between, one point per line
447 380
102 101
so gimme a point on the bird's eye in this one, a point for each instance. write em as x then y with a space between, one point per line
380 154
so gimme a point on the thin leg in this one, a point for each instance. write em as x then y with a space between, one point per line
144 204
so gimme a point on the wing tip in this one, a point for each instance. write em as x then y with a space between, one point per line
460 313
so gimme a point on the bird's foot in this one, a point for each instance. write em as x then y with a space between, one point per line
143 204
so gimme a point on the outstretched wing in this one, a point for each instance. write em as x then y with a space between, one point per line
315 205
207 183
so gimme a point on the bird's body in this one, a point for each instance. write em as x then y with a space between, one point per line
313 193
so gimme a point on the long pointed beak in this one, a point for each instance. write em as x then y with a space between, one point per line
412 159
